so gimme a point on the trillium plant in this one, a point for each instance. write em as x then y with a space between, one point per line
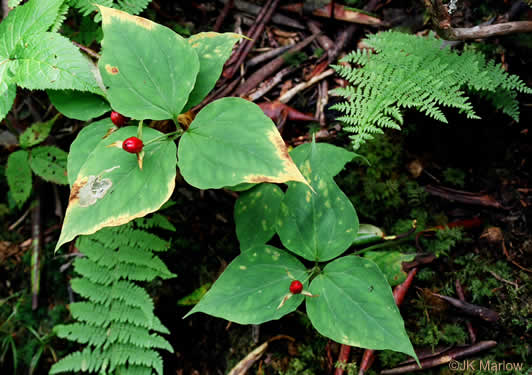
148 72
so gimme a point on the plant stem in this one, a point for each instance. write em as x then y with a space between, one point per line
177 133
383 245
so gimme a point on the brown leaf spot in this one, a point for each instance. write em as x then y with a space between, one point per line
111 69
74 192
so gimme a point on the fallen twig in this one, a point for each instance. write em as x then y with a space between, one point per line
442 24
278 19
464 196
468 308
223 15
446 357
461 295
243 366
287 96
254 33
323 100
269 84
339 12
267 56
270 68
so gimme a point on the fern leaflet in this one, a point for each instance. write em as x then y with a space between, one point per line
406 71
116 322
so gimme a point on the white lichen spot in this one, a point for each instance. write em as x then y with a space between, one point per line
94 189
322 185
258 194
243 267
308 196
268 251
328 204
349 230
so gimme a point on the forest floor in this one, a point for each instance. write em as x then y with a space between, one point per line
477 172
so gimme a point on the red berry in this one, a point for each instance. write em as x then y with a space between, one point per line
296 287
133 145
118 119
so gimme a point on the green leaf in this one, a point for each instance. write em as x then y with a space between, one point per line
252 287
256 213
332 159
232 141
355 307
316 225
77 105
391 264
51 61
110 189
7 97
149 69
18 173
194 297
34 17
213 49
49 163
36 133
368 233
84 144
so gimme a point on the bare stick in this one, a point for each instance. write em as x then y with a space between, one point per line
470 309
273 53
287 96
225 11
5 8
230 72
446 357
270 68
461 295
266 86
278 19
442 24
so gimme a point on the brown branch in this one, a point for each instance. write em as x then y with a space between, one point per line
225 11
446 357
468 308
463 196
269 84
461 295
441 20
273 53
287 96
5 8
270 68
278 19
261 23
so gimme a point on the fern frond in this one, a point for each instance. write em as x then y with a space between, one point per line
87 7
116 322
406 71
61 17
